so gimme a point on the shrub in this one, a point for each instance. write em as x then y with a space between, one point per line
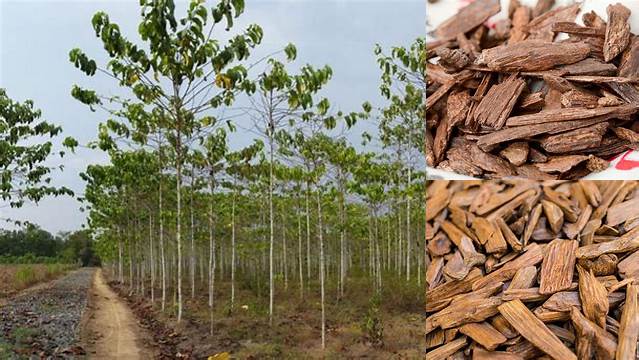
372 326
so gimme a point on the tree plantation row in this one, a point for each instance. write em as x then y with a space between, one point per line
178 208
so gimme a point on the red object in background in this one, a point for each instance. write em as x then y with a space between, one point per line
626 164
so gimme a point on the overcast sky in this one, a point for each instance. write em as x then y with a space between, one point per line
36 36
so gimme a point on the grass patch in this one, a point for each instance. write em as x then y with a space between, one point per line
25 276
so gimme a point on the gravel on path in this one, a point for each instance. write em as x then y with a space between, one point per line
46 323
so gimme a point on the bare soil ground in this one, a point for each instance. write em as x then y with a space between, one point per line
246 334
111 330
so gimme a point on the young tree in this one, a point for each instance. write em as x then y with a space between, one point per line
184 74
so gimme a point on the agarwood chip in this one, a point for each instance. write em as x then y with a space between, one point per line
570 114
468 18
533 330
495 107
558 266
516 153
532 55
629 65
593 296
629 326
617 31
578 139
561 163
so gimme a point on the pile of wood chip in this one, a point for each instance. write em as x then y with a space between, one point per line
535 95
524 269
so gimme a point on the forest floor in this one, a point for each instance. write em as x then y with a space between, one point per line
296 332
111 330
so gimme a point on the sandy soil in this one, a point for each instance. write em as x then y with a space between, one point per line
111 330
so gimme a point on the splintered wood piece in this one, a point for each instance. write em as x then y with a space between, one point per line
525 295
524 278
532 55
434 271
520 19
463 312
508 235
554 215
621 212
444 351
468 18
495 201
495 107
439 245
604 265
592 192
481 354
593 296
533 330
516 153
629 327
629 66
558 266
491 162
503 326
589 66
456 267
573 229
629 267
578 139
532 256
561 163
453 60
578 98
533 219
573 28
617 31
611 191
458 104
484 334
591 340
437 203
434 339
567 114
626 134
521 132
540 28
628 242
532 101
452 288
542 7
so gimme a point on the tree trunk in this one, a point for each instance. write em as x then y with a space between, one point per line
321 260
233 249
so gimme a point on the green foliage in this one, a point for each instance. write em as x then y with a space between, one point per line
372 326
24 174
25 276
32 245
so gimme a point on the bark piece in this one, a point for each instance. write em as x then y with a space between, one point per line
458 104
468 18
558 266
540 28
570 114
626 134
496 106
617 31
561 163
491 162
532 55
629 66
578 139
533 330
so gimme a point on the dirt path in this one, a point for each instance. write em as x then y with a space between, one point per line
111 331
